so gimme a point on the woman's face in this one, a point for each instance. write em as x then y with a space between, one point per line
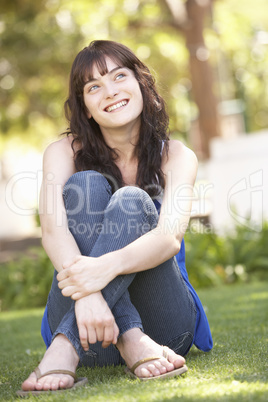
114 100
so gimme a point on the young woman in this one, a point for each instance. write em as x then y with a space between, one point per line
114 206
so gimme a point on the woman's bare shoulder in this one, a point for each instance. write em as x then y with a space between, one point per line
63 145
178 147
59 159
179 151
181 164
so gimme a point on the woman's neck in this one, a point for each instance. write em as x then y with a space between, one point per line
124 142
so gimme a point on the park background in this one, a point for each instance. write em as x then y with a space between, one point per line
210 62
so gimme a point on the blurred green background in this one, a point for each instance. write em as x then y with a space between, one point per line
210 61
39 40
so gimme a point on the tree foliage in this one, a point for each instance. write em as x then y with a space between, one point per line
39 40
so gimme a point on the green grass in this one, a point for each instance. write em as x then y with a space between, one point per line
235 370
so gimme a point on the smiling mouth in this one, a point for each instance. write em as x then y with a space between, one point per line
116 106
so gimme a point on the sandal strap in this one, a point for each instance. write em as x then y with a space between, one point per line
165 352
147 359
67 372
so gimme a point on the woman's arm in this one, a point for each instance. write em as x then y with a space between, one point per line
94 318
58 166
83 275
164 241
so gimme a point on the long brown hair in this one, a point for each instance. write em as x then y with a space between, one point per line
93 153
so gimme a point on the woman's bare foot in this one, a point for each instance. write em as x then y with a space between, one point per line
134 345
60 355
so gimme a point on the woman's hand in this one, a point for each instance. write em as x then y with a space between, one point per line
95 321
83 276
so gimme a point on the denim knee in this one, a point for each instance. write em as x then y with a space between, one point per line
133 200
83 192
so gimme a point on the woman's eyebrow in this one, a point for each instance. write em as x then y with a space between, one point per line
109 73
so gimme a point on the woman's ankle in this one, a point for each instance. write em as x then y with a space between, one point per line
129 336
61 348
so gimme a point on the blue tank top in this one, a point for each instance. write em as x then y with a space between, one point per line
202 335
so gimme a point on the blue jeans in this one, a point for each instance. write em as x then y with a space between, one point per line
156 300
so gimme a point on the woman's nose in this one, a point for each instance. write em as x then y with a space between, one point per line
111 90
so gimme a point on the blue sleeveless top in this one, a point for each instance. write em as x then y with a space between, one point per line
202 335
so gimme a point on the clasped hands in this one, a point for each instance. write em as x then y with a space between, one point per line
95 321
83 276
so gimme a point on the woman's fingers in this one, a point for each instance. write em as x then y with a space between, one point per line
63 274
68 291
83 335
99 333
108 336
69 269
77 295
76 288
63 283
91 334
67 274
116 333
104 332
111 333
73 292
95 320
83 278
68 280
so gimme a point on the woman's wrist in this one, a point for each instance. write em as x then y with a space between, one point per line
114 262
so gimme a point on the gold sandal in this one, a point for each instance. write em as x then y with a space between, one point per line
78 382
172 373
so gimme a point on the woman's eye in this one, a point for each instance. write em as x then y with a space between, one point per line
90 89
121 75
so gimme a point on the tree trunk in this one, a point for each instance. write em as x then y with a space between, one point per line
202 75
188 17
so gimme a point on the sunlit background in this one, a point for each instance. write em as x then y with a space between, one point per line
210 62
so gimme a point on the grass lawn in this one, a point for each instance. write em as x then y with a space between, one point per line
235 370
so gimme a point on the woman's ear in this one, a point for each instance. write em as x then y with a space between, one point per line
89 115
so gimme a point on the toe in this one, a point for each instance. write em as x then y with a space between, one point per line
41 385
172 357
179 362
162 369
153 369
144 373
167 364
54 386
46 386
29 384
176 360
66 382
54 382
